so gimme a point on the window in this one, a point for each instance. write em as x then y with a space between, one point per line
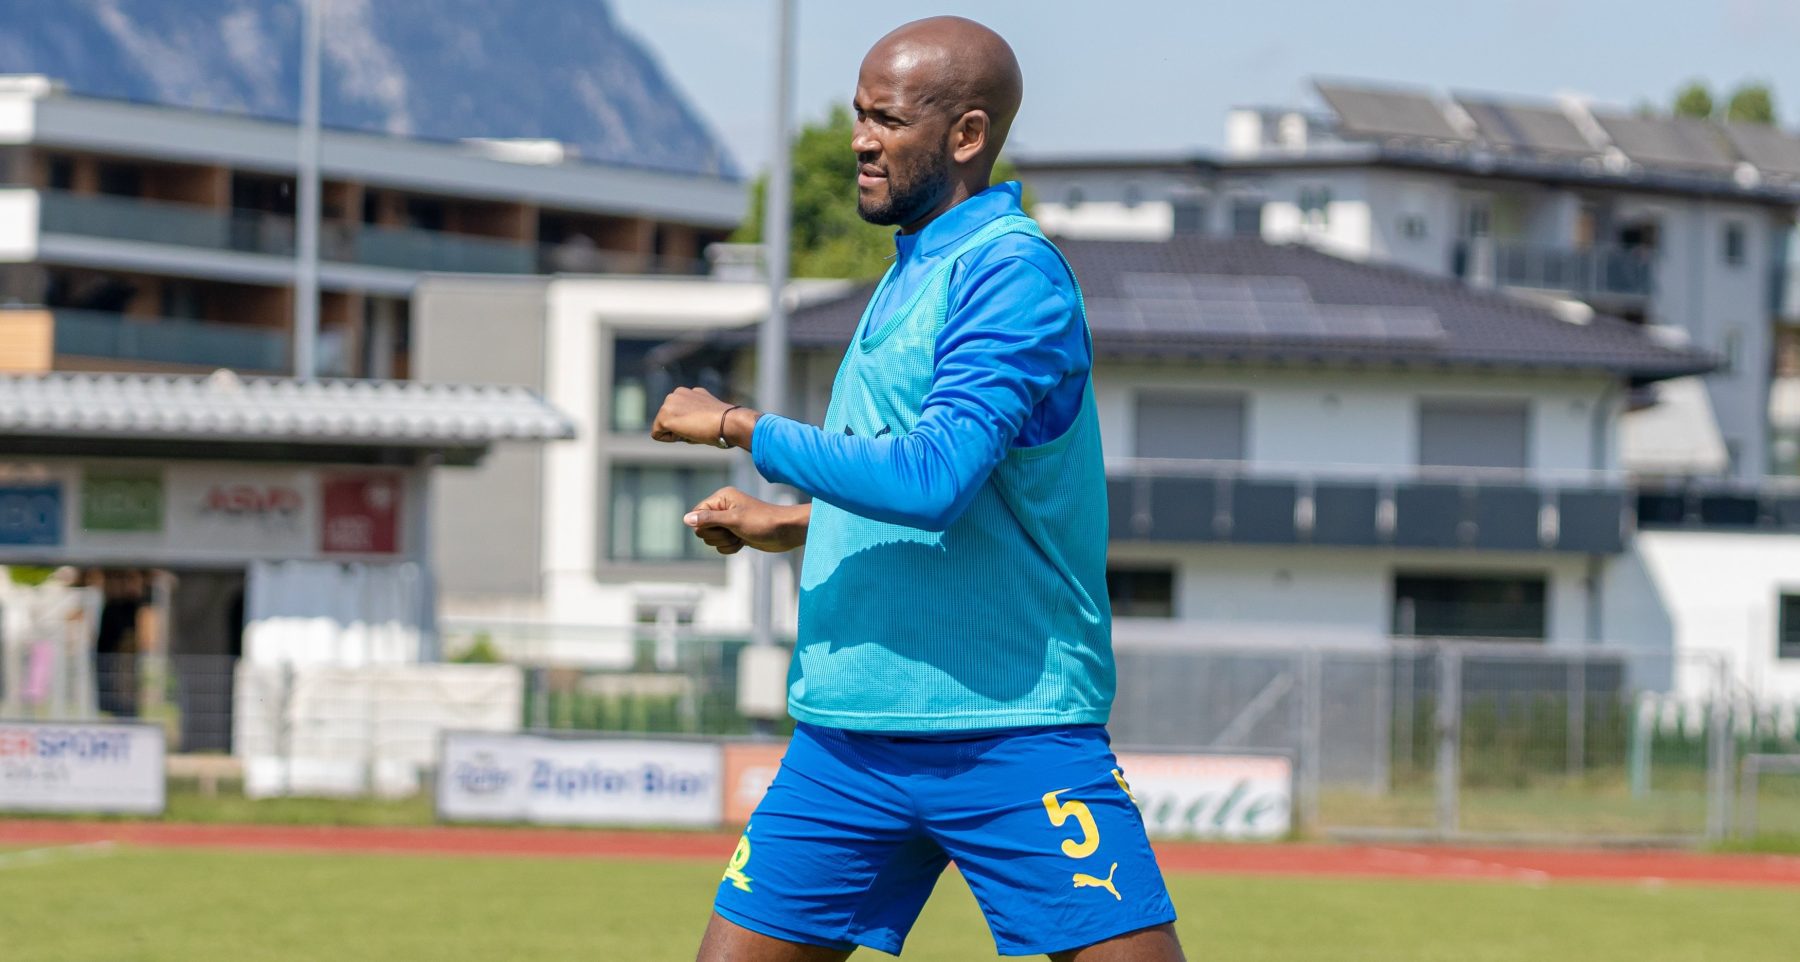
1474 434
1787 639
1246 217
1488 606
1315 206
1412 226
1134 195
1190 426
1073 197
1732 348
1147 592
645 370
62 172
1189 216
1734 243
647 505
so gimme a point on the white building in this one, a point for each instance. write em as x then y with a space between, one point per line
1672 222
138 237
1301 448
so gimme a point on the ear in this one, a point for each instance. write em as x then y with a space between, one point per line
968 136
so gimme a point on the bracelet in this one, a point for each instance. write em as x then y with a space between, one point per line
722 442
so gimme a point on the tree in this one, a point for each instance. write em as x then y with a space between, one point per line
1753 102
827 238
1693 100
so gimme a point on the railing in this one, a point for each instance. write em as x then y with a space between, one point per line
1710 504
169 341
1233 502
1584 272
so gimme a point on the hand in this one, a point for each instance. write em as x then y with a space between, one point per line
692 414
731 520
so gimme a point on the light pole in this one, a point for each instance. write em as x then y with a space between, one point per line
306 268
772 340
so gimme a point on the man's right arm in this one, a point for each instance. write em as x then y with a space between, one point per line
731 520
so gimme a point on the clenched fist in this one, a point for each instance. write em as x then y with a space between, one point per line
693 415
731 520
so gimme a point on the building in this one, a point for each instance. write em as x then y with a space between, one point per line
1301 448
151 238
1672 222
276 521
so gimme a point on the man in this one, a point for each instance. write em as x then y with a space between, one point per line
953 671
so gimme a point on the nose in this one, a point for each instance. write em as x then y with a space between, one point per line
863 142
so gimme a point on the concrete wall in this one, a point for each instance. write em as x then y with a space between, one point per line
1364 418
487 521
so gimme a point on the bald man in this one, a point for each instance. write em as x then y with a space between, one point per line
953 670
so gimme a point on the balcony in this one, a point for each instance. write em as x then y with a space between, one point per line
1350 506
1714 505
36 340
1612 274
254 232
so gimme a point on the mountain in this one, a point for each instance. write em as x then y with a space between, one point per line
438 69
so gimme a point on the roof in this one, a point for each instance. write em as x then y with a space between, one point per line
224 407
1243 300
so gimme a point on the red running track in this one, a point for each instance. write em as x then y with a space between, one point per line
1532 866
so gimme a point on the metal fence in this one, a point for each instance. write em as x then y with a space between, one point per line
1412 739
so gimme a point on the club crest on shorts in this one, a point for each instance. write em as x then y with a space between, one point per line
734 870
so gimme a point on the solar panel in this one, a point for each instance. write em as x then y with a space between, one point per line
1520 127
1388 113
1771 149
1673 142
1251 307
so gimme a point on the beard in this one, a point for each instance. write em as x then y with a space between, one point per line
911 191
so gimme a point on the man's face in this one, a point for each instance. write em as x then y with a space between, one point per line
902 145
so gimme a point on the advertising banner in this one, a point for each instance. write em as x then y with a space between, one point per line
1212 796
579 781
81 767
121 500
264 513
362 515
31 514
749 768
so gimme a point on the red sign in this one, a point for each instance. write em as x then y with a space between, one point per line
362 515
252 500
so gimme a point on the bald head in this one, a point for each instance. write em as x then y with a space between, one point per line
954 65
934 101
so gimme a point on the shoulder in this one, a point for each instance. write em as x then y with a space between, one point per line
1013 259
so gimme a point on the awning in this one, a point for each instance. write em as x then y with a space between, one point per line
223 407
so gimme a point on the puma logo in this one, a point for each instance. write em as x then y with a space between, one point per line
884 430
1084 881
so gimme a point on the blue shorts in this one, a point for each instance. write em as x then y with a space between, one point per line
854 831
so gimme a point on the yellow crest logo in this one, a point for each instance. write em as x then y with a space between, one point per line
734 871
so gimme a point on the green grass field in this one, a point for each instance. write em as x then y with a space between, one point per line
138 905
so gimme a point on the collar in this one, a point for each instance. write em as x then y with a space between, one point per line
960 221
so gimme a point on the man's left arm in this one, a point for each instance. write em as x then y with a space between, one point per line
1012 335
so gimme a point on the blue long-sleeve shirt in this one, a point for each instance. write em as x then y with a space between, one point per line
1010 368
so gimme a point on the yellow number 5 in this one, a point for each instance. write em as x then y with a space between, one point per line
1060 812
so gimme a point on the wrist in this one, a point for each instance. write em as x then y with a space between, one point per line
740 426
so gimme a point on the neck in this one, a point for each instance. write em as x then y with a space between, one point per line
960 190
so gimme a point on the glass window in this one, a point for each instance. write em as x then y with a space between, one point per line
1488 606
1474 434
1190 426
62 172
647 505
1315 206
1134 195
1787 641
1734 243
1073 197
645 370
1141 592
1246 217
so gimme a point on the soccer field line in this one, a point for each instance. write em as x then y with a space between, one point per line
26 858
1439 866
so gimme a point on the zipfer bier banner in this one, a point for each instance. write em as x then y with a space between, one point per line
579 781
81 767
1212 796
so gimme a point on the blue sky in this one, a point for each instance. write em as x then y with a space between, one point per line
1156 76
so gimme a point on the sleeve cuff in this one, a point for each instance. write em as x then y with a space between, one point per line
766 442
